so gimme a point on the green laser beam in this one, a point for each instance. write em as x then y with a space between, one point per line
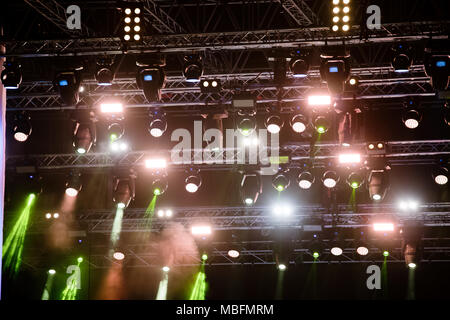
200 286
162 290
70 292
13 246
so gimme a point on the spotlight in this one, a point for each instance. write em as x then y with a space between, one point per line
376 148
22 126
201 230
11 75
165 269
165 213
383 226
355 180
299 65
233 254
68 85
440 175
247 125
284 210
104 74
204 257
48 215
378 184
115 131
251 188
131 14
321 124
319 100
155 163
80 260
118 146
305 180
210 86
362 251
349 158
55 215
281 267
412 265
330 179
335 71
192 183
280 181
411 118
111 107
124 190
118 255
274 123
73 184
299 123
336 251
437 68
158 124
151 79
51 271
316 255
193 68
401 62
386 253
159 185
408 205
84 137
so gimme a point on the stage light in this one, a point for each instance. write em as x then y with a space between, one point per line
411 118
408 205
201 230
80 260
192 183
316 254
386 253
104 73
111 107
151 79
440 175
321 124
281 267
412 265
377 148
210 86
55 215
159 185
335 71
345 158
204 257
131 14
437 67
233 253
11 75
330 179
355 180
336 251
319 100
378 184
305 180
247 125
48 215
22 127
84 135
118 146
193 68
158 123
274 123
251 188
299 123
284 210
73 184
156 163
165 269
383 226
299 65
362 251
280 181
401 62
68 84
124 190
51 271
119 255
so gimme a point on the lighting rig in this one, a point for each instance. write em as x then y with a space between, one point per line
151 77
84 132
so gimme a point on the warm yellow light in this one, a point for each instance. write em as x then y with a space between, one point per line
345 27
137 37
127 28
137 20
335 28
127 37
137 10
336 10
127 20
346 18
137 28
346 10
335 1
335 19
127 11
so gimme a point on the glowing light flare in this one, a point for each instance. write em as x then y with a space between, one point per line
383 226
319 100
336 251
118 256
233 253
349 158
362 251
155 163
112 107
71 192
201 230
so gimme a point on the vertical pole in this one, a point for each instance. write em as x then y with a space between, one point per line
2 158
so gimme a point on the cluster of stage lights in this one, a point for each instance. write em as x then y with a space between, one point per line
132 25
49 215
341 15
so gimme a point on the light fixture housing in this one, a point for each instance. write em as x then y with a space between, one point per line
151 79
73 184
440 175
330 179
274 123
11 75
193 183
68 85
124 190
281 181
158 123
250 188
305 180
193 68
299 123
21 126
401 60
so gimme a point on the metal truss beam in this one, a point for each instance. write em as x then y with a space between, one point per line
299 11
376 82
399 153
240 40
56 14
159 19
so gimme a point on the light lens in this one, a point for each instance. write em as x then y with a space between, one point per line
281 267
191 187
20 136
166 269
233 253
336 251
118 255
441 179
362 251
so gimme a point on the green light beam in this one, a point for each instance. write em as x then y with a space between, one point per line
117 226
70 292
48 286
162 290
200 285
411 285
13 246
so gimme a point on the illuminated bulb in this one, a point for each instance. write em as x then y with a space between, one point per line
137 20
137 28
127 11
137 11
336 19
335 2
335 28
127 28
137 37
346 19
336 10
345 27
346 10
126 37
127 20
